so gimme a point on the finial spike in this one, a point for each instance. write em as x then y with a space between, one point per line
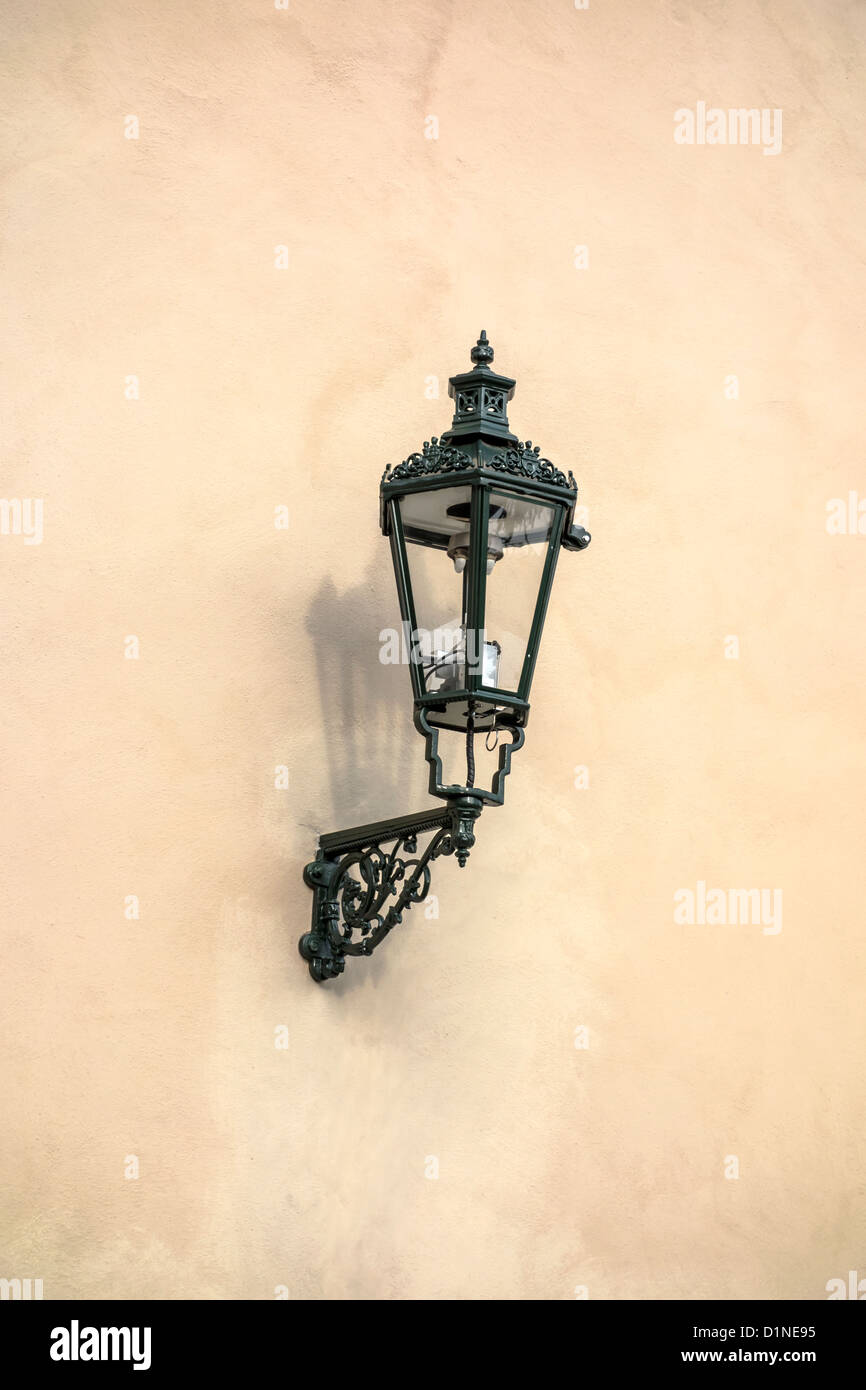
482 353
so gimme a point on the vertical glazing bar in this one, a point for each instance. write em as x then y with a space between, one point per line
404 591
480 517
541 605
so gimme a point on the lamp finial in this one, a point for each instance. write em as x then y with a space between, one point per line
482 353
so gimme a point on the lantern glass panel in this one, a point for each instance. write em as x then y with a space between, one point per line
519 535
436 528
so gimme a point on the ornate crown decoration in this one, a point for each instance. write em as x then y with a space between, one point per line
521 461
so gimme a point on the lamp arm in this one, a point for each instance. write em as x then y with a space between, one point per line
353 879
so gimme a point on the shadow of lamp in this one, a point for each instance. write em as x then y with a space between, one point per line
476 521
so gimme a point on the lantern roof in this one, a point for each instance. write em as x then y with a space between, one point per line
480 438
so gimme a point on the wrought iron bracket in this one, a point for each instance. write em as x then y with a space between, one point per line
361 889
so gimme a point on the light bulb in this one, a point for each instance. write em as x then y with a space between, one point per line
490 563
460 564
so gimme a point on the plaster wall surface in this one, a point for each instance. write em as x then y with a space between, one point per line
559 1167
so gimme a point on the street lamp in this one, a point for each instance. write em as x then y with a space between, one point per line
476 521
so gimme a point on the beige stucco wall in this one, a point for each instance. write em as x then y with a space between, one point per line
601 1167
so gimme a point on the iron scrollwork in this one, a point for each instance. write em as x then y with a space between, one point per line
526 461
522 460
362 890
434 457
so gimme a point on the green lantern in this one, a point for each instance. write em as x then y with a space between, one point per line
476 521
